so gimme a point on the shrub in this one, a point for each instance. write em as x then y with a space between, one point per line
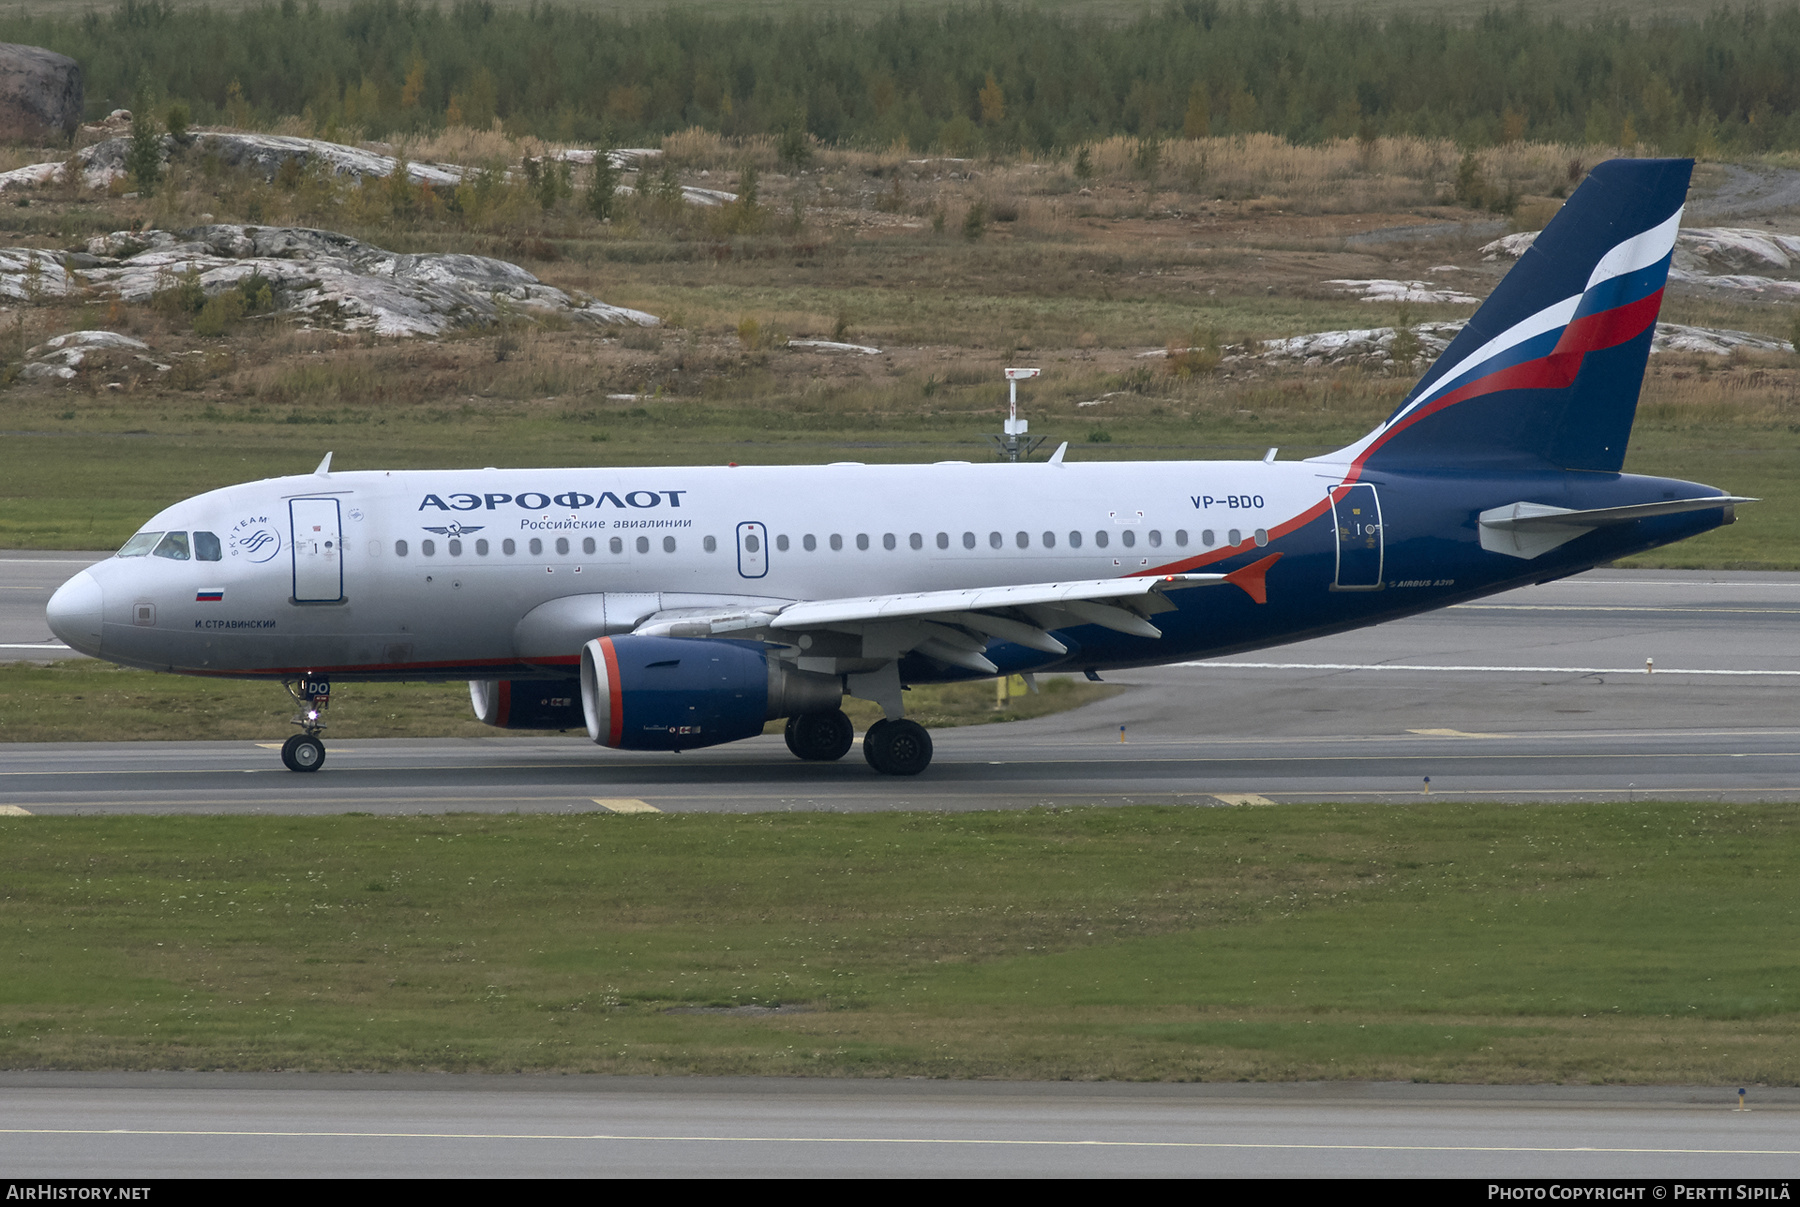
1099 436
177 121
794 150
179 295
975 221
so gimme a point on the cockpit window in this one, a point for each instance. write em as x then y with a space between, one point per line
173 546
206 547
139 545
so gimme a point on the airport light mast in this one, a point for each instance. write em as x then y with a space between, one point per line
1015 444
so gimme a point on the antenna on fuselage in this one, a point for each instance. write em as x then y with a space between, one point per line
1015 444
324 470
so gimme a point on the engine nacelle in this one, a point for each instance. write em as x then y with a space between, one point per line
676 693
528 703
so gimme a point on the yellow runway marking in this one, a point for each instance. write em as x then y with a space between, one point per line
958 1140
624 804
13 811
1241 798
1455 733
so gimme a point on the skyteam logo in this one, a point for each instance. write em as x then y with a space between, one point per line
454 530
255 539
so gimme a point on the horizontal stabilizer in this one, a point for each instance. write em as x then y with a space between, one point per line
1532 529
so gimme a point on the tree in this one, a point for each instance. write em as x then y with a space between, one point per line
1198 122
603 187
993 102
143 160
414 88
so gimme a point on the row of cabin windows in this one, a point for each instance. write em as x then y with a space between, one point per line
1127 537
535 546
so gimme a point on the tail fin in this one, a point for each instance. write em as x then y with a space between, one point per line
1547 373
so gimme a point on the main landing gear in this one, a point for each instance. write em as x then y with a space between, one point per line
304 751
897 747
820 737
891 747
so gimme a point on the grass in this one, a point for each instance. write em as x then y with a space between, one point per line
95 702
1627 944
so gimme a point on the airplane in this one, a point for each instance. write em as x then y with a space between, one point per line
665 609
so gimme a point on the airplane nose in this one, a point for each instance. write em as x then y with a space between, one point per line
75 613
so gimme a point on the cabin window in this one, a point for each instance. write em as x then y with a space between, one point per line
995 540
1156 538
1262 536
943 540
399 548
968 540
1181 537
455 548
1049 540
428 548
587 544
1236 537
809 542
916 540
1100 539
888 542
536 546
1074 540
862 540
562 546
206 547
616 545
643 544
139 545
711 544
668 544
509 547
1128 538
751 544
481 547
781 542
173 546
837 542
1206 537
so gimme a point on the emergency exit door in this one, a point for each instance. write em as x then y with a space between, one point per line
318 551
1357 515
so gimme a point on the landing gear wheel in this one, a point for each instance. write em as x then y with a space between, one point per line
897 747
820 737
303 752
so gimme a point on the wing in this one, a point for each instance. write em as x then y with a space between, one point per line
954 627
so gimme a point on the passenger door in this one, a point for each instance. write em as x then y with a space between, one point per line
318 551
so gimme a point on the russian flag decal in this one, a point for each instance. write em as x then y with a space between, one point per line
209 595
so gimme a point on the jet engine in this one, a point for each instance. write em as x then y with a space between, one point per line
677 693
527 703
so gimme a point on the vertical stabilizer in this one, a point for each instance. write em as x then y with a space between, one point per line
1547 373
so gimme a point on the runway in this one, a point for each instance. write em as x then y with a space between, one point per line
1612 686
274 1125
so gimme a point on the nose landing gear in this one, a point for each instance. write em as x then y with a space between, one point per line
304 751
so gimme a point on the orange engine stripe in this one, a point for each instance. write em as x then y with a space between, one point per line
615 698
